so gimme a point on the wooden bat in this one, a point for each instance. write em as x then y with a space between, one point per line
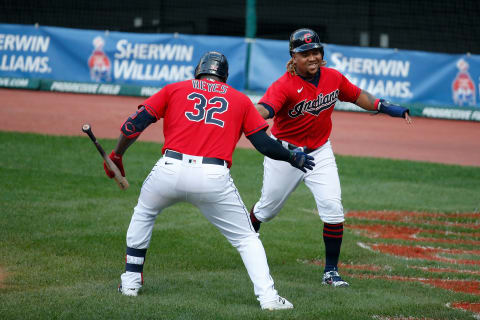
121 181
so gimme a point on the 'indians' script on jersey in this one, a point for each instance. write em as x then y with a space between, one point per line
316 106
302 110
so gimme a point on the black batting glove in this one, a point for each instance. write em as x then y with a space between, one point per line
301 160
391 109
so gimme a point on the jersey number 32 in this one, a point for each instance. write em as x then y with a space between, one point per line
218 105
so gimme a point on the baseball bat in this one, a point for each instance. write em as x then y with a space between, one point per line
121 181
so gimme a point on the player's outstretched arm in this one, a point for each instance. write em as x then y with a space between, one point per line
123 143
272 149
368 102
131 130
264 111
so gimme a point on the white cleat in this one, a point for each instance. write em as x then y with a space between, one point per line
131 292
278 304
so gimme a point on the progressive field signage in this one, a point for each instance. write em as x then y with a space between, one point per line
105 62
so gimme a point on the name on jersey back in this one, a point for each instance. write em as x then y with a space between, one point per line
209 87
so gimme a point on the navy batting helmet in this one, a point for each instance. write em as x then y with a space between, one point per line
304 39
213 63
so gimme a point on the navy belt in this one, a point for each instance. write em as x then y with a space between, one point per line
205 160
291 146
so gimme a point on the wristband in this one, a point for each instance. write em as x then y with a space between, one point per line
377 105
391 109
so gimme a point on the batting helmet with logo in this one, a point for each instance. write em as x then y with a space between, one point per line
213 63
304 39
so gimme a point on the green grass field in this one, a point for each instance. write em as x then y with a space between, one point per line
63 225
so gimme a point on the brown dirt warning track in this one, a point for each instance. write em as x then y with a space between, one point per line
354 133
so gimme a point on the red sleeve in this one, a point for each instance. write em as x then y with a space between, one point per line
252 120
157 104
348 91
275 96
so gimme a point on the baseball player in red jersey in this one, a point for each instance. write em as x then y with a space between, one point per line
203 121
301 103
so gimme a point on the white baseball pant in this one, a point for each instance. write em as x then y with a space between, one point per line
280 179
210 188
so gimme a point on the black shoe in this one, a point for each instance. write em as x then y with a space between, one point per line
255 222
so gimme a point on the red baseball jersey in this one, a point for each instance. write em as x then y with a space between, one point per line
204 117
303 111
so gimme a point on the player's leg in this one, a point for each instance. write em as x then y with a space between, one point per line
156 194
226 211
324 183
279 180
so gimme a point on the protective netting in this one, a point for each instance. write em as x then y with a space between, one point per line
145 16
439 26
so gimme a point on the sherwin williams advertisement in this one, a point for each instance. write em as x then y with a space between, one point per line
105 62
112 57
402 76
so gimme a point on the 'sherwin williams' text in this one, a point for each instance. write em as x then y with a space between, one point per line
316 106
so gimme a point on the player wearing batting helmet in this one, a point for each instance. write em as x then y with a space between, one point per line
203 121
301 103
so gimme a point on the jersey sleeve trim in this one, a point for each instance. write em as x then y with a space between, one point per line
261 127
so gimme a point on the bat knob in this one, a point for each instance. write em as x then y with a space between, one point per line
86 127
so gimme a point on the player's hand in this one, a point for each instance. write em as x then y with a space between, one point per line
117 159
394 110
301 160
408 119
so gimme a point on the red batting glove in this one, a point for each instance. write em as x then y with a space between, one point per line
117 159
